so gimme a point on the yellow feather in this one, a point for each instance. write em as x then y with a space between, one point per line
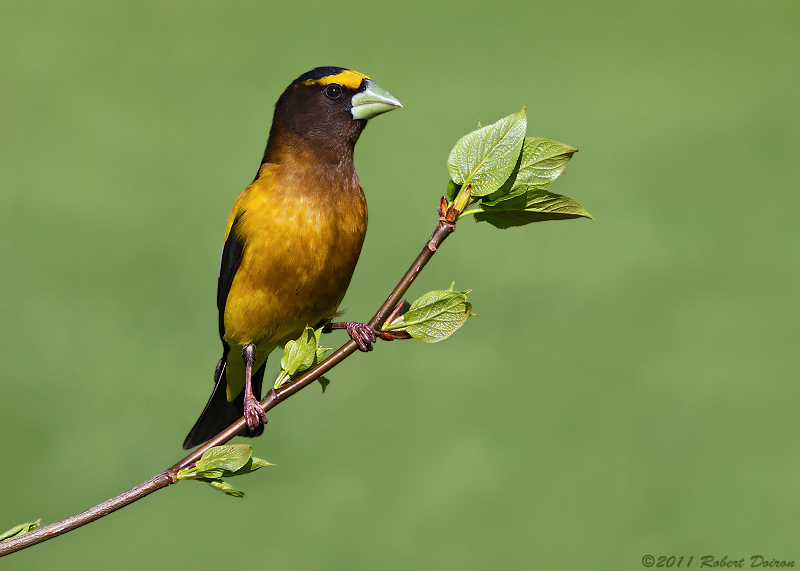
346 78
301 236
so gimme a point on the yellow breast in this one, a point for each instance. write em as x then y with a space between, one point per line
302 234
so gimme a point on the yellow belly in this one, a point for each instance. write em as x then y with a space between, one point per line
299 254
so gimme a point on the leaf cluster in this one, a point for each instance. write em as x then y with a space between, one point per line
301 355
224 462
501 176
434 316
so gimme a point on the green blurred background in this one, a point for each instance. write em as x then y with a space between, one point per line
630 387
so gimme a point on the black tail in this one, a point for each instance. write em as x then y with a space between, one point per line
219 414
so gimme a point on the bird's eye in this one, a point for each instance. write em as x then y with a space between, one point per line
333 91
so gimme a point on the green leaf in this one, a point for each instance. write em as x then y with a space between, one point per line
452 190
542 161
531 205
20 529
258 463
485 158
319 355
230 457
492 201
434 316
324 381
301 354
230 460
252 465
187 474
225 487
218 461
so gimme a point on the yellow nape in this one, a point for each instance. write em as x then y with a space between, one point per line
346 78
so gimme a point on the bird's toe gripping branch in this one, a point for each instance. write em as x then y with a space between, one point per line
253 413
362 334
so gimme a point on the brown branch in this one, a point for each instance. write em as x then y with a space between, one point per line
443 229
54 529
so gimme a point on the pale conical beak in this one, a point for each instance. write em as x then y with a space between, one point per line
372 101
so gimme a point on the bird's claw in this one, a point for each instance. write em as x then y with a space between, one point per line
253 413
362 334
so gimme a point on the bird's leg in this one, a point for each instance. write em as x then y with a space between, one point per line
361 333
253 413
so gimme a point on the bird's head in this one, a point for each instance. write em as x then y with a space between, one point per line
326 109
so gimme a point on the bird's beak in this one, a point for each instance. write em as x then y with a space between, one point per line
372 101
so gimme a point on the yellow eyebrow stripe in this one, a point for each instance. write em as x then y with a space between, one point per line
346 78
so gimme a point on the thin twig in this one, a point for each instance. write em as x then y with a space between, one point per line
54 529
443 229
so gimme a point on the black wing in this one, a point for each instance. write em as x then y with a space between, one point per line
231 256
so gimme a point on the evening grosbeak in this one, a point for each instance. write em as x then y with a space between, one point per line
293 239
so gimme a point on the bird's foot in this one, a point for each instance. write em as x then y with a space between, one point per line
362 334
253 413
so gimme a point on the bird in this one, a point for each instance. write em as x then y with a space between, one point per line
292 240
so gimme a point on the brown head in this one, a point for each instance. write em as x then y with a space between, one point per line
323 112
